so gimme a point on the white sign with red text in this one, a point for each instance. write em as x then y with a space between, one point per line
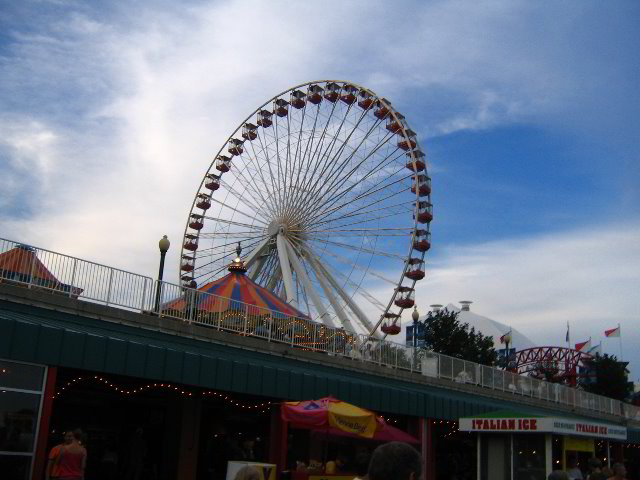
544 425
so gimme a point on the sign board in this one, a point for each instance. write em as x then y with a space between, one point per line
267 470
562 426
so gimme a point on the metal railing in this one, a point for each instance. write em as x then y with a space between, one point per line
59 274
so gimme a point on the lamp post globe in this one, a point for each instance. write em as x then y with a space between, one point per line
164 244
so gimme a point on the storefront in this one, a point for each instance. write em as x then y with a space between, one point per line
513 446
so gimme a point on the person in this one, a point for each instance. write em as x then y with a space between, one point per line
336 466
68 460
595 472
607 472
248 472
137 453
558 475
361 464
574 472
619 472
395 460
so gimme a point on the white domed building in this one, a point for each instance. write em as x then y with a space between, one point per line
482 324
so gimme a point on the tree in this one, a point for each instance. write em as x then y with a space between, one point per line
608 377
443 333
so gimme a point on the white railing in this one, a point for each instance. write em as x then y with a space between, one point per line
44 270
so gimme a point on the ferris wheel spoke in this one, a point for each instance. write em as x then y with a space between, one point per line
301 275
328 204
329 187
233 222
381 164
331 161
352 201
346 261
316 155
364 249
271 193
248 182
358 213
254 207
277 188
362 317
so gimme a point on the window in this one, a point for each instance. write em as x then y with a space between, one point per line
21 388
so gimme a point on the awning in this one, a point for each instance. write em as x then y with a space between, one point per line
512 422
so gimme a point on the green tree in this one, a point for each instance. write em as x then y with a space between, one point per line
443 333
608 377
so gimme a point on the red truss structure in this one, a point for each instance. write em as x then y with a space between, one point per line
568 362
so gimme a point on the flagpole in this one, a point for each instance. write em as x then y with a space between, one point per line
620 338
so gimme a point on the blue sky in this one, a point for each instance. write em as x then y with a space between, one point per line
109 112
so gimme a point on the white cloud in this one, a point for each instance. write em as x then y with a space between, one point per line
588 277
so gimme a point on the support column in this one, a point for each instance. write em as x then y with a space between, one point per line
40 461
278 441
548 453
189 437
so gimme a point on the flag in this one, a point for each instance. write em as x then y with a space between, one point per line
614 332
595 350
506 337
583 346
567 336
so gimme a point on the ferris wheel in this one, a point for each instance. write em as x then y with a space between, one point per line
326 189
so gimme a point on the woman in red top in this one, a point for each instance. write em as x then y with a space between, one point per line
68 461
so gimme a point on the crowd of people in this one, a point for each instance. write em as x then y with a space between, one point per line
596 472
393 460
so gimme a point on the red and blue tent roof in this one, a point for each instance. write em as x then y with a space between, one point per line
232 292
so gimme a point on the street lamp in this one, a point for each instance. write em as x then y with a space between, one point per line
163 245
507 340
415 316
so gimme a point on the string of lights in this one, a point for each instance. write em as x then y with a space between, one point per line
262 407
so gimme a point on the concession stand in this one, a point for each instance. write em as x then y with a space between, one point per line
329 418
514 446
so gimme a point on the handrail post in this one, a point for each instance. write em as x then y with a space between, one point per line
73 277
313 336
246 318
110 285
32 268
270 323
144 294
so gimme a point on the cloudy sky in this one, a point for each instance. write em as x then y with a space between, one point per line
110 113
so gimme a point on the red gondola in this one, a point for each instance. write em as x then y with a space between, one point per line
366 100
424 212
281 107
390 324
383 110
349 94
394 125
315 94
235 146
297 99
212 182
264 118
422 184
420 163
249 131
422 240
415 271
191 242
195 221
332 92
223 163
187 264
405 144
203 202
406 297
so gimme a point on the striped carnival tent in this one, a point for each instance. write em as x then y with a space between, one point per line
235 292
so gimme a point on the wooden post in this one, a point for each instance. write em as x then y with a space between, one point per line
43 432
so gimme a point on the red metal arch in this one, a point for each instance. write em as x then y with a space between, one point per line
567 360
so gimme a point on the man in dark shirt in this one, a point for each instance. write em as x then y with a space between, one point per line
395 460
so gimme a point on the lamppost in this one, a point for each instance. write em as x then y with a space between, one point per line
507 341
415 316
163 245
